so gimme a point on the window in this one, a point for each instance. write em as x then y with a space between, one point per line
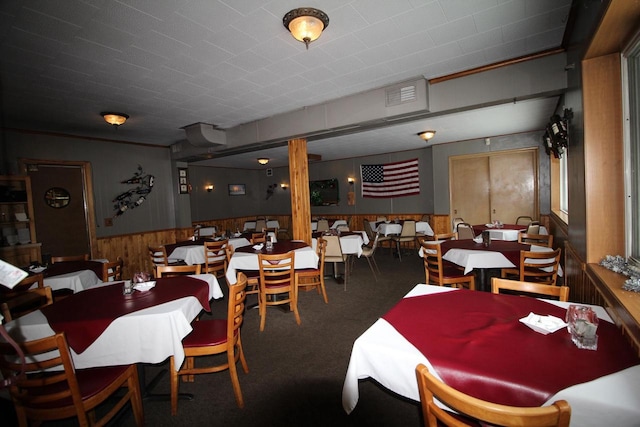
631 81
564 184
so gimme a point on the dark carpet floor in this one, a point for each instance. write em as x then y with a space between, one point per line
296 372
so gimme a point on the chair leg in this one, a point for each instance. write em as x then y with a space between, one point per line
324 290
398 249
263 311
294 306
372 270
235 382
136 397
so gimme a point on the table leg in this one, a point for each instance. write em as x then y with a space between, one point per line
484 276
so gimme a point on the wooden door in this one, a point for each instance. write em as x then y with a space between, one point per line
68 230
470 185
514 185
500 186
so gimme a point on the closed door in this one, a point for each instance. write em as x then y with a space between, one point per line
499 186
61 227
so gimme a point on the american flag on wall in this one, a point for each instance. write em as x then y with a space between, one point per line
390 180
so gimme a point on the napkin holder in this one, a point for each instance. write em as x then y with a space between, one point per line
486 238
582 323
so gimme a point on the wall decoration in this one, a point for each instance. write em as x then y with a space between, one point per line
183 181
134 197
390 180
556 136
237 190
271 189
324 193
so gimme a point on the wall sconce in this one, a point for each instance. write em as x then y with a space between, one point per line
263 160
209 188
284 186
351 180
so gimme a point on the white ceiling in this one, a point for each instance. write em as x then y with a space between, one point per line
171 63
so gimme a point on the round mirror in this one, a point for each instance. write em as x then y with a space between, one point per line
57 197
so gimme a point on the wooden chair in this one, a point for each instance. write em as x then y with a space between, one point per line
465 231
158 256
112 271
83 257
368 252
215 257
560 292
557 414
68 392
257 238
26 302
310 278
441 273
534 266
277 278
334 255
536 239
407 235
177 270
213 337
446 236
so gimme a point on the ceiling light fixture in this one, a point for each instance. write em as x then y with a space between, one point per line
427 134
263 160
115 119
306 24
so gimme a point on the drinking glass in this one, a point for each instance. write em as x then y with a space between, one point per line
269 243
582 324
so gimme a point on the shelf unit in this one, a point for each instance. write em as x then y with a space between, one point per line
18 242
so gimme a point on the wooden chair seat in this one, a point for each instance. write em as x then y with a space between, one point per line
206 333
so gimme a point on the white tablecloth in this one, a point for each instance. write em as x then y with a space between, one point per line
385 355
392 228
305 258
194 254
510 235
76 280
471 258
251 225
147 336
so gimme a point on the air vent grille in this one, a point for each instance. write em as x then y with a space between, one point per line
400 95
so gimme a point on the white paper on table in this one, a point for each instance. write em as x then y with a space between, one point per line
11 275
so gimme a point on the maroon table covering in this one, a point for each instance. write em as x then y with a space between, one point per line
511 250
85 315
280 247
477 345
478 229
70 266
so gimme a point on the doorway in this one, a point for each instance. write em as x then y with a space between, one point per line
63 206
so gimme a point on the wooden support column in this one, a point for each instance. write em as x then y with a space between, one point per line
299 185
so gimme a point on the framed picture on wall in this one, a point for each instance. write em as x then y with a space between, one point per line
237 190
183 181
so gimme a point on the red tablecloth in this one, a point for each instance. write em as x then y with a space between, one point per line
70 266
85 315
477 345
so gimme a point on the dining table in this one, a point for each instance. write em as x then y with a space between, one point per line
246 258
508 232
476 256
476 343
192 252
74 275
104 327
386 228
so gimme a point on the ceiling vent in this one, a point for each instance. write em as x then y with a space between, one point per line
401 94
204 135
